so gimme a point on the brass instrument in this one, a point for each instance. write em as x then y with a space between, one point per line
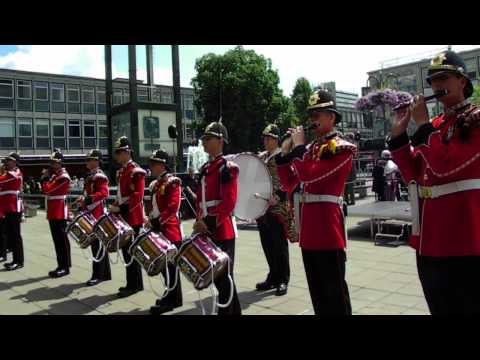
286 140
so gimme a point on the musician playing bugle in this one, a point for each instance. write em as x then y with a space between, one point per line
275 226
441 163
321 169
166 192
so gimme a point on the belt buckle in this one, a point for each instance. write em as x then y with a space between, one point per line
426 192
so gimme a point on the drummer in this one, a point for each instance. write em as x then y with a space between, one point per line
95 193
218 182
129 204
166 193
274 226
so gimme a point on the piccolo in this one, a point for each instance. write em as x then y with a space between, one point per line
308 128
437 95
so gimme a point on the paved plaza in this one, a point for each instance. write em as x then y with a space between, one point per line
382 280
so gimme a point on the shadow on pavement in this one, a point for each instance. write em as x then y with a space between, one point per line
25 281
136 311
253 296
47 293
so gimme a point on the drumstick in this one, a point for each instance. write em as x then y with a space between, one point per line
258 196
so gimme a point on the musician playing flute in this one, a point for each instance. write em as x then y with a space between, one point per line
276 225
56 186
129 204
441 161
95 193
216 199
320 169
166 192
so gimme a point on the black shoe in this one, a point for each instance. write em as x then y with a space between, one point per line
53 272
93 282
127 292
13 266
266 285
281 289
161 309
123 288
3 258
59 273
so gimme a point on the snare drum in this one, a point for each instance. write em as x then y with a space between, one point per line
80 229
201 261
152 251
113 232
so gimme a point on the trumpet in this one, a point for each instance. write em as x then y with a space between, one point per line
437 95
286 139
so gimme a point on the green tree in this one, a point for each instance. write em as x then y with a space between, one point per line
475 99
300 96
242 87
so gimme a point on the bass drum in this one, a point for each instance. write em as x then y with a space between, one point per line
255 186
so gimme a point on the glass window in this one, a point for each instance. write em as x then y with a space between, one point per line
25 133
117 96
6 88
7 132
156 95
40 90
101 98
102 134
167 96
88 95
42 133
142 93
58 131
74 134
89 134
126 96
24 89
57 92
73 93
471 65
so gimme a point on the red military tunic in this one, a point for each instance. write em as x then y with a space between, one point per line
166 199
321 223
11 184
448 224
96 187
131 186
56 190
220 196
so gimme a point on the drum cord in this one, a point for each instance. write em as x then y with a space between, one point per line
230 298
101 248
166 283
132 259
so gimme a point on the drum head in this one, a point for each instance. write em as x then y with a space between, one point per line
253 178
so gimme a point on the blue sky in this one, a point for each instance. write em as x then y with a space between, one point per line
347 65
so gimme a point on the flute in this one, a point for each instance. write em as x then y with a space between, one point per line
437 95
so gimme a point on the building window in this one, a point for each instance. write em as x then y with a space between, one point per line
188 107
88 100
74 134
24 95
117 97
40 94
101 101
89 139
142 94
57 94
7 133
167 96
126 96
471 65
42 133
6 94
58 131
73 98
156 95
102 135
25 134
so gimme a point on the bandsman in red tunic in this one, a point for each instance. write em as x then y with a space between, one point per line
95 194
166 192
129 204
56 186
441 163
320 169
216 199
11 183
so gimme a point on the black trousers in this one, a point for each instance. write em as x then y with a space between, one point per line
325 270
134 271
62 246
100 270
3 239
275 247
450 284
12 233
223 284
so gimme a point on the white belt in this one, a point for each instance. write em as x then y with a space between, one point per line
212 203
123 200
314 198
432 192
57 197
94 205
9 192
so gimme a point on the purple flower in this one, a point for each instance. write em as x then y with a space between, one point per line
382 98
